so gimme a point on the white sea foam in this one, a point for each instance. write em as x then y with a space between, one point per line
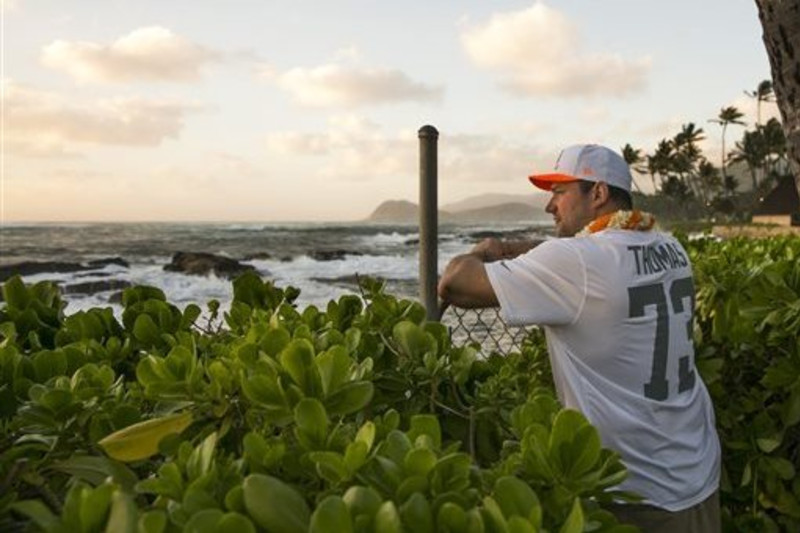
388 239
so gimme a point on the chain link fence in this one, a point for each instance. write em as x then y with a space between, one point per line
484 327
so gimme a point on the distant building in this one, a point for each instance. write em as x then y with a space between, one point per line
781 206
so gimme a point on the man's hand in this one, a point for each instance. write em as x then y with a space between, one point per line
489 250
492 249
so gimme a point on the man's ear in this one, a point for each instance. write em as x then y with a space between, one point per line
600 193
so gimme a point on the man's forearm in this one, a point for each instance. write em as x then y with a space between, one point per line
466 284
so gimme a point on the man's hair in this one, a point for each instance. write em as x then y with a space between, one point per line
620 197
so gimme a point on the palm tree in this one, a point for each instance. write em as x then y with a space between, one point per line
752 150
659 163
686 154
727 115
634 158
763 93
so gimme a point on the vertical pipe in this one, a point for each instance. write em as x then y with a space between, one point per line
428 220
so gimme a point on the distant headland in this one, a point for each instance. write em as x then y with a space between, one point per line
477 209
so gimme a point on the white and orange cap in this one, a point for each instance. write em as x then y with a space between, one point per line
588 162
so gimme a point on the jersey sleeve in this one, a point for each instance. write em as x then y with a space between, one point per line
545 286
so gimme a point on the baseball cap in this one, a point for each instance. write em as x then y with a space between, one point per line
589 162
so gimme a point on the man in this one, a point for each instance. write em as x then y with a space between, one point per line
616 299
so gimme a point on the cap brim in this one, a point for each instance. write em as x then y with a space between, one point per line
546 181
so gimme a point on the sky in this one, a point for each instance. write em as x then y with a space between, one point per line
308 110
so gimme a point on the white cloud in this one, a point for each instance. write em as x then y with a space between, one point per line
357 149
335 85
41 123
8 5
146 54
538 52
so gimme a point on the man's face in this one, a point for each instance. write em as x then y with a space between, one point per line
571 208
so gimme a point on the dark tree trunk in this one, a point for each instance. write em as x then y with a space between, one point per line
780 20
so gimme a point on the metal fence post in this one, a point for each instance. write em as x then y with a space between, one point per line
428 220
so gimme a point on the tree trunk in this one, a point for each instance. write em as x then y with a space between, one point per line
780 20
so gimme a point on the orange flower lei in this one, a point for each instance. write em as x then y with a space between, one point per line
632 220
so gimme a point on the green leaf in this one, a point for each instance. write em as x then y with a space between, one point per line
451 518
515 497
15 294
152 522
298 360
417 515
312 422
419 461
330 466
366 434
517 524
350 398
334 368
783 467
426 425
362 500
124 516
201 458
355 456
387 519
146 331
274 341
235 522
331 515
274 505
574 522
413 340
95 470
140 441
204 521
38 512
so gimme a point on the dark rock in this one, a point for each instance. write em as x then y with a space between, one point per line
331 255
287 259
258 255
93 287
99 263
203 264
29 268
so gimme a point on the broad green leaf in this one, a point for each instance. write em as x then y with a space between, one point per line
235 522
387 519
274 341
515 497
298 360
350 398
312 422
517 524
451 518
366 434
330 466
140 441
417 515
574 522
331 515
362 500
274 505
334 368
419 461
146 331
426 425
355 456
124 516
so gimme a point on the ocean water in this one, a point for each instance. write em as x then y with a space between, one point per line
288 254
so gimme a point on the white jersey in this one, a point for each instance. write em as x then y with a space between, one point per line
617 311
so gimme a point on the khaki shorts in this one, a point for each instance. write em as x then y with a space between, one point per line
701 518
